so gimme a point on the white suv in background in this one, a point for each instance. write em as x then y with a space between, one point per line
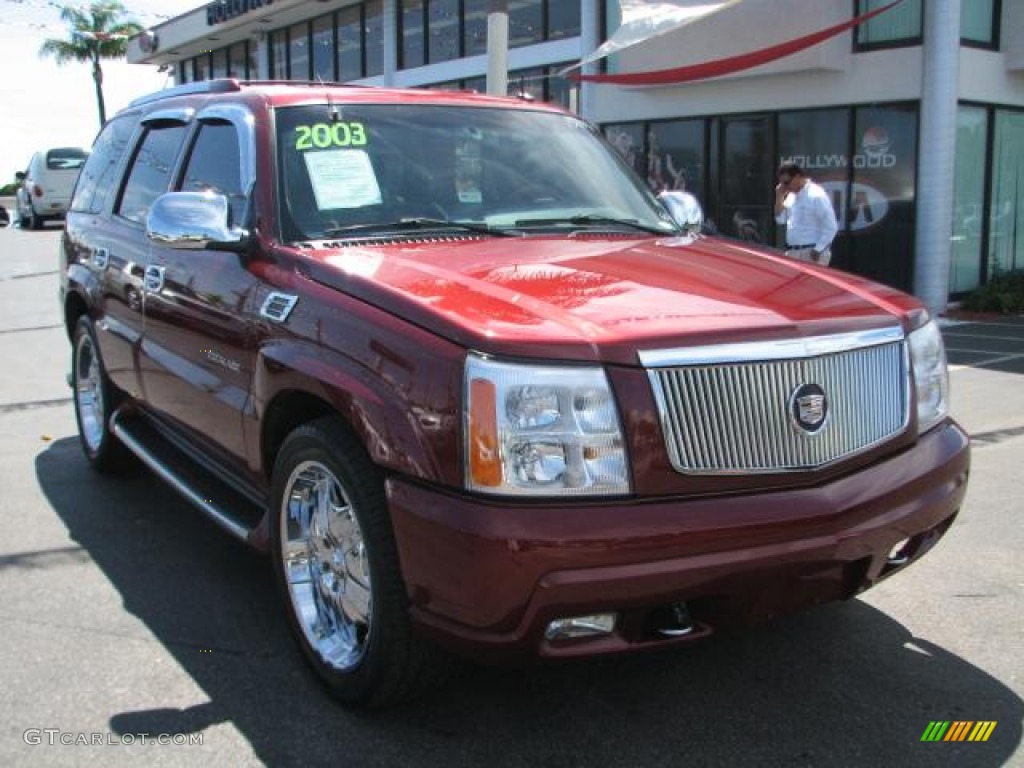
45 188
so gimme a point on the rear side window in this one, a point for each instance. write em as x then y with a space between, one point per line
66 159
150 172
97 175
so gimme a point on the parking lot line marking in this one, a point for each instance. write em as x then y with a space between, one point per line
983 336
984 363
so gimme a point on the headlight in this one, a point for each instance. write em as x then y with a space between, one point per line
541 430
931 378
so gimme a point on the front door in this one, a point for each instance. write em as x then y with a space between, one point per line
198 350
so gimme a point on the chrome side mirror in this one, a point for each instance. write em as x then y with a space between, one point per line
193 221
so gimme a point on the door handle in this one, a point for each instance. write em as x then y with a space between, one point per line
100 258
153 281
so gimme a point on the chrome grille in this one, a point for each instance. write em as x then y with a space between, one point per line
729 409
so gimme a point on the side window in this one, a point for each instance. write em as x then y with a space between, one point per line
98 173
214 165
150 173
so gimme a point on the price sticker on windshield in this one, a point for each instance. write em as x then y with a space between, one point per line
329 135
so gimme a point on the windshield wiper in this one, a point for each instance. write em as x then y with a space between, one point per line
420 223
585 219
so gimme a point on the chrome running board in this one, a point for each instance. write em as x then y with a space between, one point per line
145 450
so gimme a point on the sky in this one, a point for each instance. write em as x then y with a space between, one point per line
43 105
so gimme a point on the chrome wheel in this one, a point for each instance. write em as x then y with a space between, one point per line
89 393
326 567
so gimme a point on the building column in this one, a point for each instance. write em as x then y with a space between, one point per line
590 39
937 152
497 48
391 41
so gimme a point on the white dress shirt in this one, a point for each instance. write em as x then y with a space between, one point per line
809 218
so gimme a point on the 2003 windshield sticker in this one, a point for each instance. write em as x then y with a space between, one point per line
327 135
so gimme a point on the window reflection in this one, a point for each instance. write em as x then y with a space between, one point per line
900 23
1006 238
298 51
323 48
968 194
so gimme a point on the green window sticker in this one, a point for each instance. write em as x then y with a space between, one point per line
328 135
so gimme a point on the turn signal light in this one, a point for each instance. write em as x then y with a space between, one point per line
484 459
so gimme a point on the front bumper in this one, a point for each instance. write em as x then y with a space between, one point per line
486 577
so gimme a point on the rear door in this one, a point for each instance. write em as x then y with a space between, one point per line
96 245
125 252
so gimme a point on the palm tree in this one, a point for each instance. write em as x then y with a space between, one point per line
96 33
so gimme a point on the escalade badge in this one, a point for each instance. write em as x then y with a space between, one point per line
808 407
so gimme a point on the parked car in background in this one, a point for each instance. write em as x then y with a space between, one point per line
45 187
449 360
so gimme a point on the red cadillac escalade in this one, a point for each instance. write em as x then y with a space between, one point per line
450 362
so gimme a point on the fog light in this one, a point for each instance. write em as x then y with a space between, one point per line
899 554
581 626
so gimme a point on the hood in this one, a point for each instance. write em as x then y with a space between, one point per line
604 298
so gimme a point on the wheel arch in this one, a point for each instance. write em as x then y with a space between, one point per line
74 307
295 384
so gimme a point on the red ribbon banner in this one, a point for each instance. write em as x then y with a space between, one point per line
733 63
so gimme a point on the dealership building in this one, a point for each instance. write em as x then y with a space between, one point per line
913 119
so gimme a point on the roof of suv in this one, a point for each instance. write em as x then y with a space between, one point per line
289 93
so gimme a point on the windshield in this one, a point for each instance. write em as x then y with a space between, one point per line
394 168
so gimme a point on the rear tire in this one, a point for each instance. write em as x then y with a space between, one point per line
336 564
95 399
35 221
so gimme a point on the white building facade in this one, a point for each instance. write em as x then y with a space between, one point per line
913 121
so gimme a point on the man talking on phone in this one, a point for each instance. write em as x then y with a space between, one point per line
804 207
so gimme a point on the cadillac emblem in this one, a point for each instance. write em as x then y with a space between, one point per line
808 407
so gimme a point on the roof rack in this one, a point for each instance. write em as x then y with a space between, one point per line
222 85
232 84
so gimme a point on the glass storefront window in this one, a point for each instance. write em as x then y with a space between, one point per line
298 51
968 198
413 25
675 156
628 141
252 59
819 141
1006 220
976 21
202 68
373 37
563 19
527 82
475 37
884 170
748 176
900 25
443 29
562 91
323 48
219 66
238 61
525 22
279 54
350 44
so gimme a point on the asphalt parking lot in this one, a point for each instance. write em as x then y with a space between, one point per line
126 614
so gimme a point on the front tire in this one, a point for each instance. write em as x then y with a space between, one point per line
336 563
95 399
